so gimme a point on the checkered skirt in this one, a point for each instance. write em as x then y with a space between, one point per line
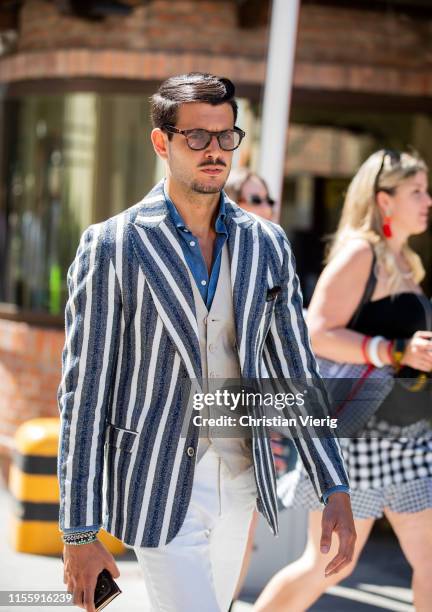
389 466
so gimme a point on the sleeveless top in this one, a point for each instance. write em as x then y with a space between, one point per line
389 453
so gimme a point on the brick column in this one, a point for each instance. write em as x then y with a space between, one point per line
30 371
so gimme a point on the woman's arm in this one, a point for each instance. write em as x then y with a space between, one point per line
336 298
337 295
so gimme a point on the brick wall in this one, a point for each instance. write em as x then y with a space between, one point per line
208 26
326 34
363 38
30 362
338 48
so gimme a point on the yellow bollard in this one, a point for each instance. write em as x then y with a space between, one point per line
34 486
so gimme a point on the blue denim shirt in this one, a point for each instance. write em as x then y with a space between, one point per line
191 249
338 489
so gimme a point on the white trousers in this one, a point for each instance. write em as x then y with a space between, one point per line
198 570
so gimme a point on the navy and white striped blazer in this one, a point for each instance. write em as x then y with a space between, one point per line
132 336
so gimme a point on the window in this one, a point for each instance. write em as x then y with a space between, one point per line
66 161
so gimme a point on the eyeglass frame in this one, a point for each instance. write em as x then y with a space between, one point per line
173 130
395 157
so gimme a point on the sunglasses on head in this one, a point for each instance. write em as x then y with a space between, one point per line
257 200
395 158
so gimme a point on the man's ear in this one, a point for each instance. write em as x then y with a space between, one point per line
160 142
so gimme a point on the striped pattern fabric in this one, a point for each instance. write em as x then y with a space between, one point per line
131 352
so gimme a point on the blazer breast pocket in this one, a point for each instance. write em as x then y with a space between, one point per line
270 302
124 439
272 293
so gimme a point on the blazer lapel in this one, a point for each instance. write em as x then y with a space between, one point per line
248 282
161 258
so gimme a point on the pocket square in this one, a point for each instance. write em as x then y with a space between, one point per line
272 293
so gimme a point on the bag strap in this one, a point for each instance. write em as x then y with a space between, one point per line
367 293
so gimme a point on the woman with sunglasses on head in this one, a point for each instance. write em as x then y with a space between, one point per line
390 467
250 192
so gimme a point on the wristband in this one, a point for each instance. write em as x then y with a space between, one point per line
390 347
372 350
364 345
79 538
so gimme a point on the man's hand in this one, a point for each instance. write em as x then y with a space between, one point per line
337 517
82 565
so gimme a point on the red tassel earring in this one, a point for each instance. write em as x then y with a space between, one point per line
387 227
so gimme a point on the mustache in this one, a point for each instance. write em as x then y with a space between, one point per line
216 162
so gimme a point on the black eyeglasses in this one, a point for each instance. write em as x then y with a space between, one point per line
198 139
395 158
257 200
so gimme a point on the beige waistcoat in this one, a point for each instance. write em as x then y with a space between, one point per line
219 360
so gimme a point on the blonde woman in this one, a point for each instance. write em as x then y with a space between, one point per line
390 467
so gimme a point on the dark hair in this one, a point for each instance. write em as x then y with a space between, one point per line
191 87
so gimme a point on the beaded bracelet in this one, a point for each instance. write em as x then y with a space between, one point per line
79 538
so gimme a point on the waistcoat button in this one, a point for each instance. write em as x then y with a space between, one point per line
190 451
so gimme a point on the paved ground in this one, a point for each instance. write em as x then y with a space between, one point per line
380 582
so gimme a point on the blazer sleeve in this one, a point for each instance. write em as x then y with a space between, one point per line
92 325
289 349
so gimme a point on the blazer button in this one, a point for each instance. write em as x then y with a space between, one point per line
190 451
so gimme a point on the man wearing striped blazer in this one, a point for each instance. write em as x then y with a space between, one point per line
184 286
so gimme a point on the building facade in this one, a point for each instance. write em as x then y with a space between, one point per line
75 78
